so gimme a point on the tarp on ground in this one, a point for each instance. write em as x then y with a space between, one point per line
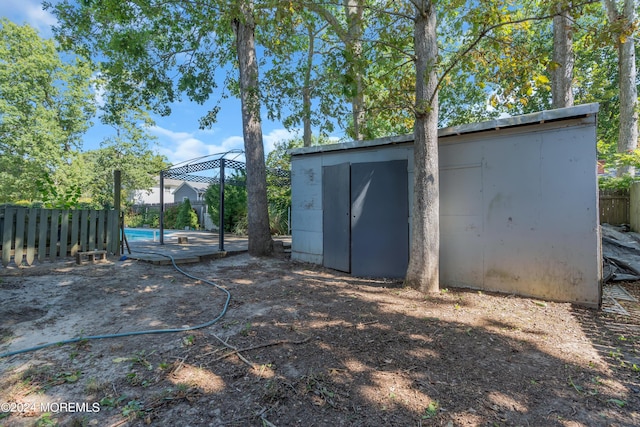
621 253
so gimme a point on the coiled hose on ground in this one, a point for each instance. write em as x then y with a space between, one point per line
149 332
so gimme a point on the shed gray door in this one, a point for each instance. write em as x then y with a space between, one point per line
379 219
336 226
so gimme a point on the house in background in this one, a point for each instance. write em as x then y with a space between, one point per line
194 191
152 197
176 191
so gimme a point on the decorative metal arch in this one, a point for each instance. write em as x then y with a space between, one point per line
189 173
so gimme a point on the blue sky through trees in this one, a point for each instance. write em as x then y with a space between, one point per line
179 136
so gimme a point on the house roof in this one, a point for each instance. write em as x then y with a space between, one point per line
168 182
198 187
171 182
176 183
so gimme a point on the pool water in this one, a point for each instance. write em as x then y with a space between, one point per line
144 234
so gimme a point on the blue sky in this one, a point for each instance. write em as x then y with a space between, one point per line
179 136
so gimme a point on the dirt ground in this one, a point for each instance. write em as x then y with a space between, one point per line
302 346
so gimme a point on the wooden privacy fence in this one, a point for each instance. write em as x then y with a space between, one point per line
614 207
27 234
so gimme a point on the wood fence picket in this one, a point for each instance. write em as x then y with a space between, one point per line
30 234
614 207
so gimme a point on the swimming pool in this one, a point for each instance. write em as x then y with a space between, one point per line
144 234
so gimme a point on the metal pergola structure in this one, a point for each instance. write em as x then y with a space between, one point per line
189 172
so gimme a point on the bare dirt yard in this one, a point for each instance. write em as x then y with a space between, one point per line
302 346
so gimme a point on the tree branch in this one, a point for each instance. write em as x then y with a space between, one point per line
487 30
331 20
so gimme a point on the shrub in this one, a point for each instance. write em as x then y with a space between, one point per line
278 220
617 183
170 216
235 204
187 217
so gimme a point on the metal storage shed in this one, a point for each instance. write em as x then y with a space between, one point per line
518 205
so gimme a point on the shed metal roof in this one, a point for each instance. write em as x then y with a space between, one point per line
503 123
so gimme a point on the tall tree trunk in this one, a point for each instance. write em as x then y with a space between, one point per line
563 58
351 36
423 271
354 10
306 89
628 133
260 242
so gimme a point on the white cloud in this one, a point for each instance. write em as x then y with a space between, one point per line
29 12
277 135
98 90
182 146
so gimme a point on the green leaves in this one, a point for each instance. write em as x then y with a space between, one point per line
187 217
53 196
128 152
45 107
150 53
235 202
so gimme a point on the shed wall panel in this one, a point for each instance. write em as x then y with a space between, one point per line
540 225
307 193
306 209
462 260
307 246
306 220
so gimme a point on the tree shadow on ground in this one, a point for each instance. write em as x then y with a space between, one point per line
302 345
378 355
